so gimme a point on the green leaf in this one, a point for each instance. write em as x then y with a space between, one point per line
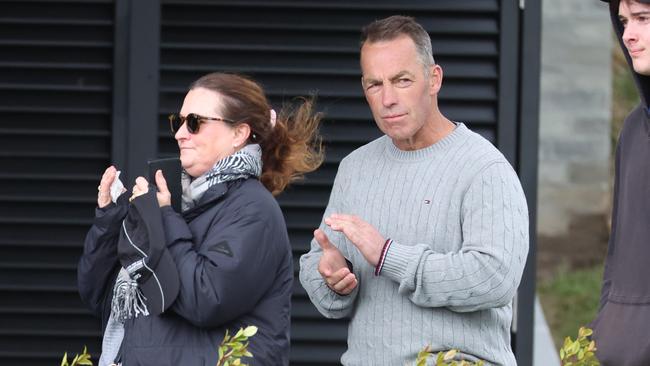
440 358
64 361
592 346
450 355
250 331
84 358
423 355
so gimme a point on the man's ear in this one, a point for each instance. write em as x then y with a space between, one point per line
435 79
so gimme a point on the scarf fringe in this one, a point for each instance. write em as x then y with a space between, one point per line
128 300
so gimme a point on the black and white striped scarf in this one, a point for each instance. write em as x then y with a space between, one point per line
245 163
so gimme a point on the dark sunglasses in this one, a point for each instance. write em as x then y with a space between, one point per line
193 121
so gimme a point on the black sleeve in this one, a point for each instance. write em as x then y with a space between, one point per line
98 264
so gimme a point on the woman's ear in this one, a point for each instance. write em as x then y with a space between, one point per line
242 133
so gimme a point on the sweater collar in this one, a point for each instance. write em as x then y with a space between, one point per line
416 155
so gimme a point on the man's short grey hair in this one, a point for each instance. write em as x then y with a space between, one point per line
395 26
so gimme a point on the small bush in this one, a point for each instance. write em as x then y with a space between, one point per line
79 360
580 352
444 358
232 349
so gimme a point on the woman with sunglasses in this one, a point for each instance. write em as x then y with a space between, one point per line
230 244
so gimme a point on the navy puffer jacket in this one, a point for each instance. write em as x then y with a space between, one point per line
234 261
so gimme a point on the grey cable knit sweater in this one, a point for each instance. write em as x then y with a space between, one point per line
459 223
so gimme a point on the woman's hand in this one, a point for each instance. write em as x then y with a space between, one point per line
104 189
142 187
163 195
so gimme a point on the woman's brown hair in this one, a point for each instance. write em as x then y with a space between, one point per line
291 148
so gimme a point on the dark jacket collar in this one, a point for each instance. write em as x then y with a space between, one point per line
210 196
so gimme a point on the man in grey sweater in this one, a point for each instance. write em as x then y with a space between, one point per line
425 236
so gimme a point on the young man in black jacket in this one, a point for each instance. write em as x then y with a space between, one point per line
621 326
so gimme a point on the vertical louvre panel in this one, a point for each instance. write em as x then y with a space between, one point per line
55 99
297 47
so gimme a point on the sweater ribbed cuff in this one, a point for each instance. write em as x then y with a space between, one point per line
397 260
382 256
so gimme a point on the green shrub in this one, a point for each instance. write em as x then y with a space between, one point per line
443 358
79 360
580 352
232 349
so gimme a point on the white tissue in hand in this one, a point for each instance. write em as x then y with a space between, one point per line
117 188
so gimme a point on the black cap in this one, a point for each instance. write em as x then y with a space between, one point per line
143 253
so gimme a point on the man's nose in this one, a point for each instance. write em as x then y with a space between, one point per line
388 96
629 33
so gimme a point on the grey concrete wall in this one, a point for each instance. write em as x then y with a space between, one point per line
575 113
